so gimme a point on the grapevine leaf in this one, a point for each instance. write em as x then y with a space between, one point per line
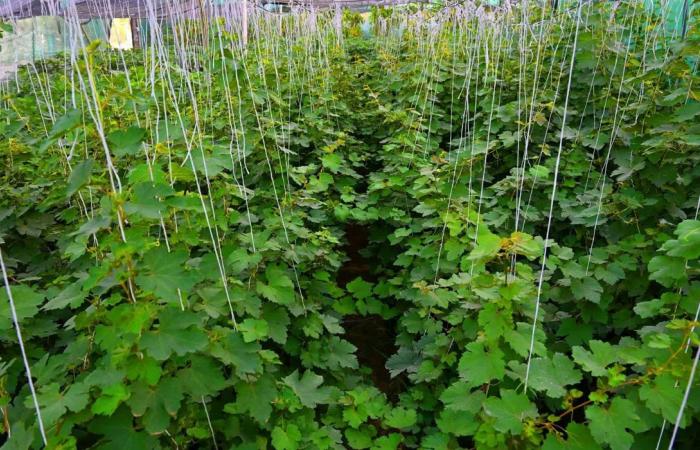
177 333
459 397
163 273
308 388
667 269
662 396
26 300
257 397
610 425
401 418
79 176
478 365
578 437
551 375
510 411
595 362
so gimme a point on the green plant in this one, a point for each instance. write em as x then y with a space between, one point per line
193 241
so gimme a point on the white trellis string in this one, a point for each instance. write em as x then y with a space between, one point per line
27 368
551 204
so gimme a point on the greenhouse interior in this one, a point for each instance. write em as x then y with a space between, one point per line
350 224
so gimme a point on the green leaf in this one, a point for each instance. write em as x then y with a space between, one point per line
667 269
478 366
55 402
253 330
488 246
26 300
308 388
111 397
526 245
577 438
359 288
332 162
72 296
595 362
278 321
401 418
510 411
551 375
256 398
162 273
388 442
287 438
66 122
459 397
79 176
279 288
687 112
126 142
662 396
178 332
202 378
156 405
611 425
243 356
688 243
457 423
358 439
587 289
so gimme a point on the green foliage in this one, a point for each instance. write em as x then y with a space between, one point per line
211 275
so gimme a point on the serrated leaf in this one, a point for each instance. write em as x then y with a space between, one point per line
55 402
203 377
551 375
111 397
688 243
457 423
460 397
66 122
510 411
587 289
177 332
478 365
156 405
595 361
359 288
287 438
667 269
256 398
26 300
488 245
662 396
578 437
72 296
308 388
253 330
611 425
243 356
279 288
401 418
163 273
278 321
